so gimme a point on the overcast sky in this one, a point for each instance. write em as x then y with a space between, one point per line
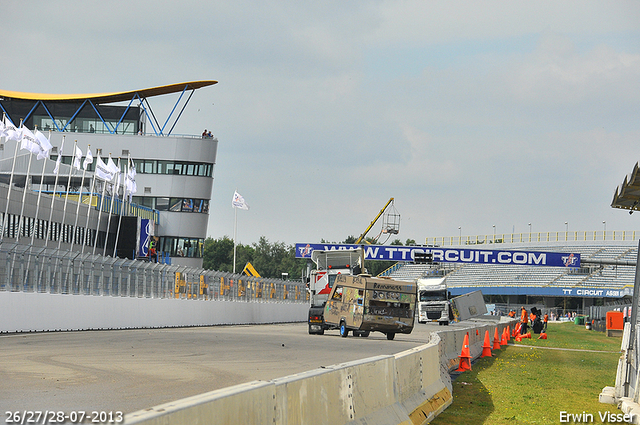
469 114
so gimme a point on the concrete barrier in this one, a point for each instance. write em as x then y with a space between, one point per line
250 403
32 311
424 386
363 391
408 388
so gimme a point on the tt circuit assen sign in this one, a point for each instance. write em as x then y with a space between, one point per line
452 255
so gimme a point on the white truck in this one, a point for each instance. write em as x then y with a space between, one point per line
329 264
433 301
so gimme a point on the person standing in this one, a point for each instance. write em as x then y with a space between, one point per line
546 320
524 320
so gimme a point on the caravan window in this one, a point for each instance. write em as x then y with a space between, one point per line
337 295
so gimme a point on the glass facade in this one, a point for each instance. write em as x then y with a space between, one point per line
86 125
191 205
152 166
181 168
181 247
79 117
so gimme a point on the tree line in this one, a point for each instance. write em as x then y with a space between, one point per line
272 259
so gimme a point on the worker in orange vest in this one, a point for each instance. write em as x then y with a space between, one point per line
546 319
523 321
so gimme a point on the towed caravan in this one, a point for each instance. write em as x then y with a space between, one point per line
363 304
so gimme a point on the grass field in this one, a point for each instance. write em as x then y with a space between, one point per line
533 381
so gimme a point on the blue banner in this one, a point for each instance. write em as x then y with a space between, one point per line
145 236
546 291
451 255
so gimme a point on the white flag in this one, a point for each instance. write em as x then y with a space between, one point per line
115 174
117 184
87 160
44 144
103 171
28 141
77 157
238 202
112 166
3 131
131 185
11 131
57 168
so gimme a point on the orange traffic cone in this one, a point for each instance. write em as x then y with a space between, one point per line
516 329
543 335
527 335
508 333
504 338
518 338
486 346
465 355
496 340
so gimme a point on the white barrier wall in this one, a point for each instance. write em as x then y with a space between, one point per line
409 388
627 380
32 311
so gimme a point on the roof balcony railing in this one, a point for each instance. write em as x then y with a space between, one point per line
536 237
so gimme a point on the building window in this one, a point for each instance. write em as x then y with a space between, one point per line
149 166
173 204
162 204
182 247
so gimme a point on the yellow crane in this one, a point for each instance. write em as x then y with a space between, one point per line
390 224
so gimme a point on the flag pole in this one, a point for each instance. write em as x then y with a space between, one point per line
86 226
75 224
104 187
66 197
13 165
114 196
44 165
235 228
35 224
237 202
53 195
93 182
122 204
24 196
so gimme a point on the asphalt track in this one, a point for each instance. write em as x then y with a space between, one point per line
130 370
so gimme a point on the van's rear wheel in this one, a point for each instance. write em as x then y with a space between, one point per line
391 335
344 332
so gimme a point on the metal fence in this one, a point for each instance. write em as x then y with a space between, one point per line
28 269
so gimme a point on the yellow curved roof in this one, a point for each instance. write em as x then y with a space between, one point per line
107 97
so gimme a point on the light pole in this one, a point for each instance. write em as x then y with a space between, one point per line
604 230
494 233
460 235
529 232
566 230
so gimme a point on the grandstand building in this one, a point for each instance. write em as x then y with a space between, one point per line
597 282
174 172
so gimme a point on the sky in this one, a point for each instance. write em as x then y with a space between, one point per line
469 114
